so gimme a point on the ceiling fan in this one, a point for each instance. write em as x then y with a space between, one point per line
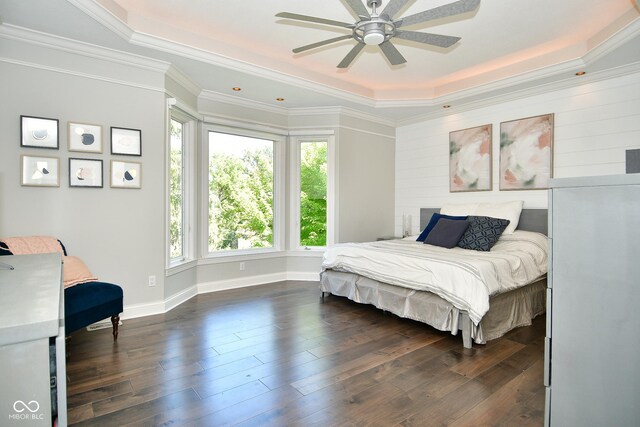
378 28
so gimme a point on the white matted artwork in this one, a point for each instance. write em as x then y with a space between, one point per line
127 142
126 174
38 171
85 173
39 132
85 137
470 159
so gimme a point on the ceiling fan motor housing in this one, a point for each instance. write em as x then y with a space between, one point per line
373 33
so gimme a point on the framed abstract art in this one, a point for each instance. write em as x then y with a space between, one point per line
470 159
85 173
127 142
85 137
38 132
39 171
126 174
526 153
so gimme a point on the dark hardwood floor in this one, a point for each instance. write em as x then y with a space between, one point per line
276 355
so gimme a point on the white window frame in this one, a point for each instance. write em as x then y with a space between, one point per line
189 131
279 142
296 139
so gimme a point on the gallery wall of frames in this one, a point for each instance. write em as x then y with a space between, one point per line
84 140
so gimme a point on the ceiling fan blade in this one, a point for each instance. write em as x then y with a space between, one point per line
393 7
451 9
351 56
393 55
322 43
307 18
358 8
428 38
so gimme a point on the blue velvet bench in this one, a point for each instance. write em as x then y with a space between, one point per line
88 303
91 302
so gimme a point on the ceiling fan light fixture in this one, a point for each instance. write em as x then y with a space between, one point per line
373 37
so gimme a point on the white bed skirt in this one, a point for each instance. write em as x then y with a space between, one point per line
507 311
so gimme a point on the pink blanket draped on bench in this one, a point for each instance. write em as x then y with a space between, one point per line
32 245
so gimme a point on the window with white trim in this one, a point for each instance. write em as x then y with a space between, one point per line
312 191
243 191
180 187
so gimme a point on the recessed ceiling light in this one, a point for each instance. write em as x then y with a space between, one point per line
446 106
581 73
237 89
279 99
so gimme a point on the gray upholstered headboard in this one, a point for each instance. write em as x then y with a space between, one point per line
530 219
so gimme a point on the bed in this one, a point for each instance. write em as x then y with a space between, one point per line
511 306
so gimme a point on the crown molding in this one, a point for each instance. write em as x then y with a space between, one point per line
567 83
80 74
241 102
21 34
618 39
233 122
106 15
184 81
317 111
343 111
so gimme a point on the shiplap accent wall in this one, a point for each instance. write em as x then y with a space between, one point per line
594 124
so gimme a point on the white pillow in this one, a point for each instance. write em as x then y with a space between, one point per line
459 209
506 210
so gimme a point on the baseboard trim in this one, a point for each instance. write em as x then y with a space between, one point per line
243 282
176 299
161 307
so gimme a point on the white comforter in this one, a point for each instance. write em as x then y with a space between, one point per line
463 277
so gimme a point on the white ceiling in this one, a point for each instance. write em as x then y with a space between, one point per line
219 44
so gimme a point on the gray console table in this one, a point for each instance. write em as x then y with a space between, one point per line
32 341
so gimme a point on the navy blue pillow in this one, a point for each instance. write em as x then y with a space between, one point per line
446 233
432 223
483 232
4 249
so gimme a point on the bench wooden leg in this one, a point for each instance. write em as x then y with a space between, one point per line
115 320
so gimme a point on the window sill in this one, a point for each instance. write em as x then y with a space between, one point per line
179 267
312 252
245 256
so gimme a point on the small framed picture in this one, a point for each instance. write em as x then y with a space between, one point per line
39 171
39 132
85 173
127 142
126 174
85 137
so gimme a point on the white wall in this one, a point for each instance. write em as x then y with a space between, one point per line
117 232
366 185
595 123
120 234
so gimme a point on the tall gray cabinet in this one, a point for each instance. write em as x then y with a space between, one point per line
32 341
592 349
